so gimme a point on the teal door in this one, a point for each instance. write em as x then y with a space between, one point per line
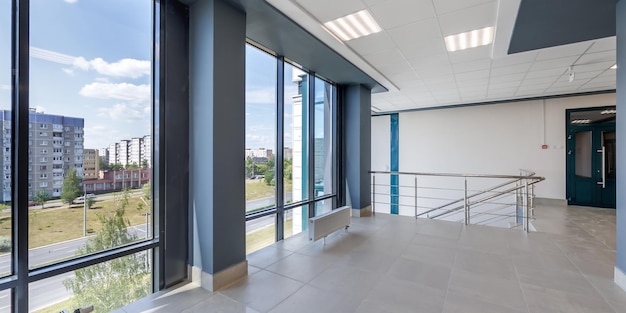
591 158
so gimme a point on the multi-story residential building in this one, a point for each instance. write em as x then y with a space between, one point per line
136 151
91 165
55 146
259 153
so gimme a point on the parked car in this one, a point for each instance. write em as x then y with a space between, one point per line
82 198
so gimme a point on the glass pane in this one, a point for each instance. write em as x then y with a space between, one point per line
105 286
583 154
260 129
88 98
5 301
296 220
323 140
296 141
260 233
610 159
5 153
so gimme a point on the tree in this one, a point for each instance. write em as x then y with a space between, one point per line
147 191
112 284
144 164
116 167
251 168
269 173
132 166
41 197
89 202
102 163
71 187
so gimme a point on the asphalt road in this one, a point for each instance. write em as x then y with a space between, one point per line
51 290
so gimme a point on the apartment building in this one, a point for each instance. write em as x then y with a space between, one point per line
137 150
55 145
91 164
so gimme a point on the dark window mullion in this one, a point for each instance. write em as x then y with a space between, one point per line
311 139
280 144
20 84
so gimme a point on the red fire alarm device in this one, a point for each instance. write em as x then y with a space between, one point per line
544 146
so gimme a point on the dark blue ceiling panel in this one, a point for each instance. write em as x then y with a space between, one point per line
548 23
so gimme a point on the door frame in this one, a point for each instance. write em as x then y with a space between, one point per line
570 153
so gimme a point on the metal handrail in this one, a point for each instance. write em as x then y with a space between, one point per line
500 193
523 187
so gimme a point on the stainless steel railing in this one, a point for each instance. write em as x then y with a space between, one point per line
495 200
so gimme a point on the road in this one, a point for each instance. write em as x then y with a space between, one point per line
51 290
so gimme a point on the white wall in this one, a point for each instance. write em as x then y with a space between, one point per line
486 139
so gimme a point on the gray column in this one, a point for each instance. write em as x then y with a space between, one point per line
357 148
217 34
620 263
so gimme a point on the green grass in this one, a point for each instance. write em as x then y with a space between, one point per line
258 189
266 236
53 225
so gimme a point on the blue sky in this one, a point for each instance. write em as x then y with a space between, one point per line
89 59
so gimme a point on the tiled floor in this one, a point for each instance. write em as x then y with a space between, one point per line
397 264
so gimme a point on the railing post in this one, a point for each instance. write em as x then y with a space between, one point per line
466 204
415 197
373 193
527 207
532 200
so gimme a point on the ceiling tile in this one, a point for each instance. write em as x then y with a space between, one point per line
591 58
509 70
545 73
503 85
563 51
508 77
422 49
593 67
415 32
371 44
407 75
429 62
468 19
394 68
435 72
514 59
604 44
483 74
469 55
400 12
447 6
562 63
384 57
321 9
540 80
471 66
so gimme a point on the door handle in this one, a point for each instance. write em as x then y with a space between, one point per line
603 182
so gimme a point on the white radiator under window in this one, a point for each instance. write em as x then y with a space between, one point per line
321 226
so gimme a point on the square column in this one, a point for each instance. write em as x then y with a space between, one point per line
217 36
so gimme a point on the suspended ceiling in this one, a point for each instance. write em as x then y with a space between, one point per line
409 57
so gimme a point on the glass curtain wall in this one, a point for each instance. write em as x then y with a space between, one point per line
6 220
260 146
308 151
85 186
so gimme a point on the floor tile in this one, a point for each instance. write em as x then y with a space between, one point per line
346 279
314 300
456 303
503 292
218 303
548 300
301 267
262 291
395 295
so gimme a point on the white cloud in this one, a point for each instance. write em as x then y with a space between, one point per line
123 68
40 109
267 95
71 1
5 87
122 91
124 112
127 67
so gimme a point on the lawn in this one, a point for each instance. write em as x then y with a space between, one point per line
52 225
265 236
258 189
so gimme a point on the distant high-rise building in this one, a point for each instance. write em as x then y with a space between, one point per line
55 145
137 151
259 153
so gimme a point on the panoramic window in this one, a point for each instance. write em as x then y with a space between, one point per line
90 105
5 153
323 144
260 151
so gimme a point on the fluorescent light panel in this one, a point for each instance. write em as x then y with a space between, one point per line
605 112
471 39
614 67
581 121
353 26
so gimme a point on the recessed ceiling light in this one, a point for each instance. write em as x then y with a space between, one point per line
614 67
581 121
353 26
608 112
471 39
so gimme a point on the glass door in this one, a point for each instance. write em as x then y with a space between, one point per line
591 159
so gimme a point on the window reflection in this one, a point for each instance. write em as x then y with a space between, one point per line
6 149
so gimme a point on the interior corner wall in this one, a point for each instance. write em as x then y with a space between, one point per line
381 143
357 160
620 262
488 139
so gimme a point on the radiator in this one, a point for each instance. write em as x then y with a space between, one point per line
321 226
